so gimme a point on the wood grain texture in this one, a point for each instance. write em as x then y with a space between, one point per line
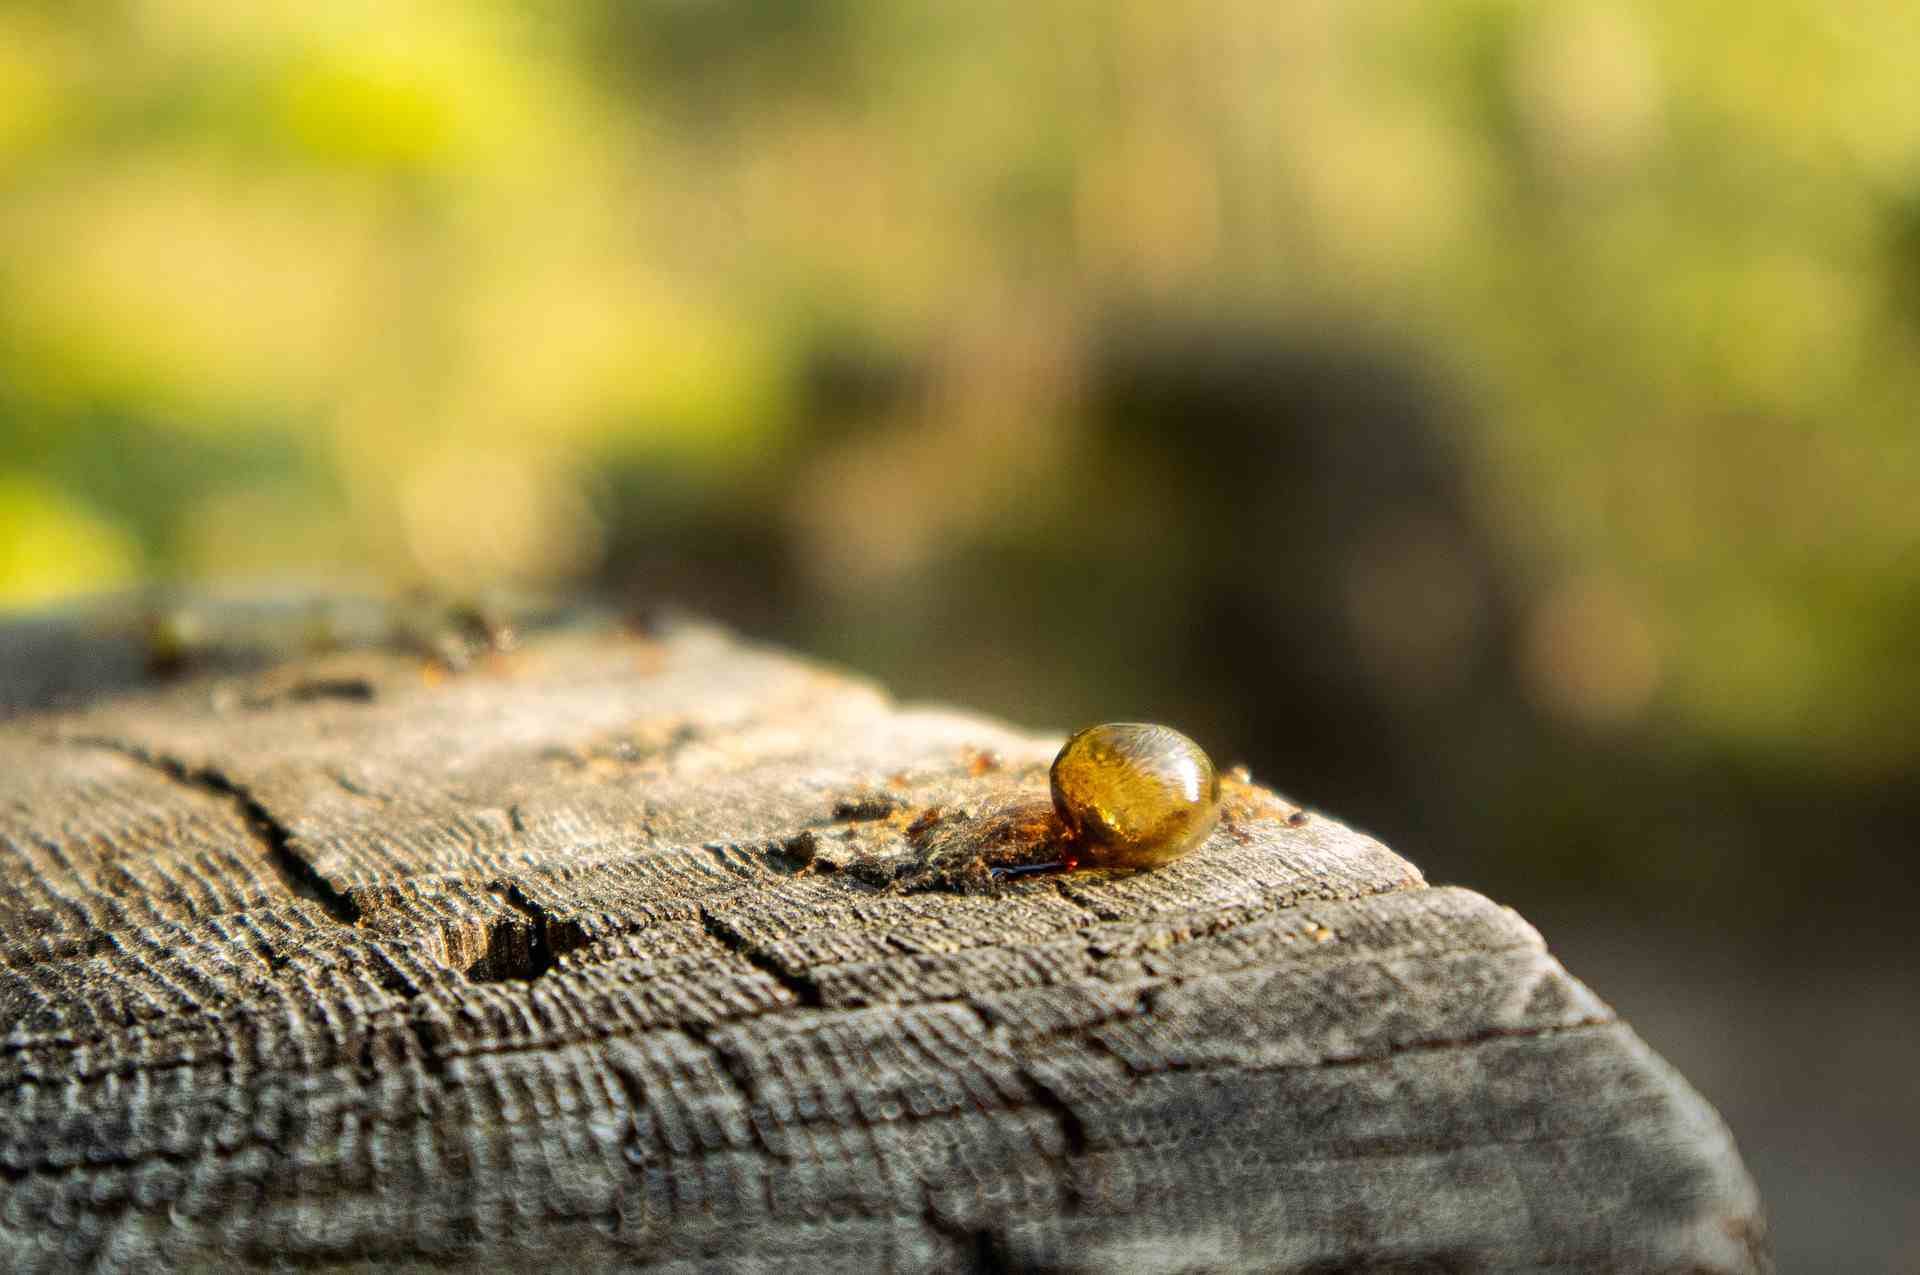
627 951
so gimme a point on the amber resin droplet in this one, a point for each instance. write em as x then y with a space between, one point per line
1134 795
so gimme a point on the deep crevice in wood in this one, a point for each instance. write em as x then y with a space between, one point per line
979 1246
1073 1130
422 1032
804 989
301 878
541 948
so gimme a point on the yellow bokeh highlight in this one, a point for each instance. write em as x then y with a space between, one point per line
53 547
29 91
365 113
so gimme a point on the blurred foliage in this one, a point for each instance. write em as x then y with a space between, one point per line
1505 408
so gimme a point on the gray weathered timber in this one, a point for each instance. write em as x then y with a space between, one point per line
623 950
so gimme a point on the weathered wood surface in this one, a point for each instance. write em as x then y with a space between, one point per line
594 955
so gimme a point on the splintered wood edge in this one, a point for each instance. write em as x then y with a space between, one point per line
609 915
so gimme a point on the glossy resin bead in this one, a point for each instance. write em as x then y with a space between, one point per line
1133 795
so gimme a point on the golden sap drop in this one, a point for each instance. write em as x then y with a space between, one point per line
1133 795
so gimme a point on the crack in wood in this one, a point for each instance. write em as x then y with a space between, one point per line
1437 1044
347 784
299 876
541 952
351 690
1073 1130
804 989
429 1049
980 1248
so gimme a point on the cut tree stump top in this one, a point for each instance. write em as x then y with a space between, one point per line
628 949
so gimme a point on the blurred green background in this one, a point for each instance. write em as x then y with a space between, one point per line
1494 422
